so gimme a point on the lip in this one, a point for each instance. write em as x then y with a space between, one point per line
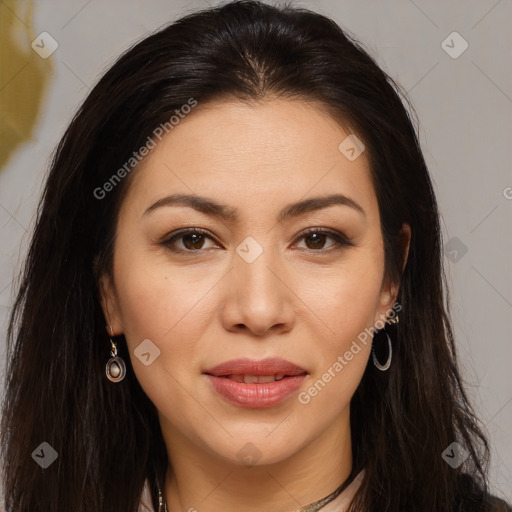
256 395
268 366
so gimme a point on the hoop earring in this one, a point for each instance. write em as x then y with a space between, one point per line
115 369
387 364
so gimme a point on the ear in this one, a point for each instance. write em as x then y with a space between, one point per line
389 291
109 305
405 240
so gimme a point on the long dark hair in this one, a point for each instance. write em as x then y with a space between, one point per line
107 435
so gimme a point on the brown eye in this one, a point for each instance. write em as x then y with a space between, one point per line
188 240
193 241
315 240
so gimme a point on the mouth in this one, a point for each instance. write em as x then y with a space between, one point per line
270 367
257 379
256 384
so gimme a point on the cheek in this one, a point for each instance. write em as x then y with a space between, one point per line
163 309
167 308
342 352
155 299
345 299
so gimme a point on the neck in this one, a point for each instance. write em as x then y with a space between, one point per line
200 480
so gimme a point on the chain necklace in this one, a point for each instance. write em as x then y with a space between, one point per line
312 507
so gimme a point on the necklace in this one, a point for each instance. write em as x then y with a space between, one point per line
312 507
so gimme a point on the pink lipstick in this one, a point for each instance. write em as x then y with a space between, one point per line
256 384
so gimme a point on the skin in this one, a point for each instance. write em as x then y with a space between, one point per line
303 299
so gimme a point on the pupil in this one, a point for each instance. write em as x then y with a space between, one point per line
319 242
195 239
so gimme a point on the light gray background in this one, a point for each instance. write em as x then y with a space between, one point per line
464 106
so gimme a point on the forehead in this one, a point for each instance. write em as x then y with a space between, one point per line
254 154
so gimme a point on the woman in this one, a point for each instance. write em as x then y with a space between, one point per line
233 299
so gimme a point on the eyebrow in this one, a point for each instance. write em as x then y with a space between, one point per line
228 213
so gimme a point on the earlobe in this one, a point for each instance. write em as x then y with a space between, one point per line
388 295
109 306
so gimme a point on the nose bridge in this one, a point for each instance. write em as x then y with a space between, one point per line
253 266
256 296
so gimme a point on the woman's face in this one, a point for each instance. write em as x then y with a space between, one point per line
251 284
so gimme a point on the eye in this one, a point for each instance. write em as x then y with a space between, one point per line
315 239
190 240
193 240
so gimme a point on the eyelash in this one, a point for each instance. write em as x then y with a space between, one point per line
341 241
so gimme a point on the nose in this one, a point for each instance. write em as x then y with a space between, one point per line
258 297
